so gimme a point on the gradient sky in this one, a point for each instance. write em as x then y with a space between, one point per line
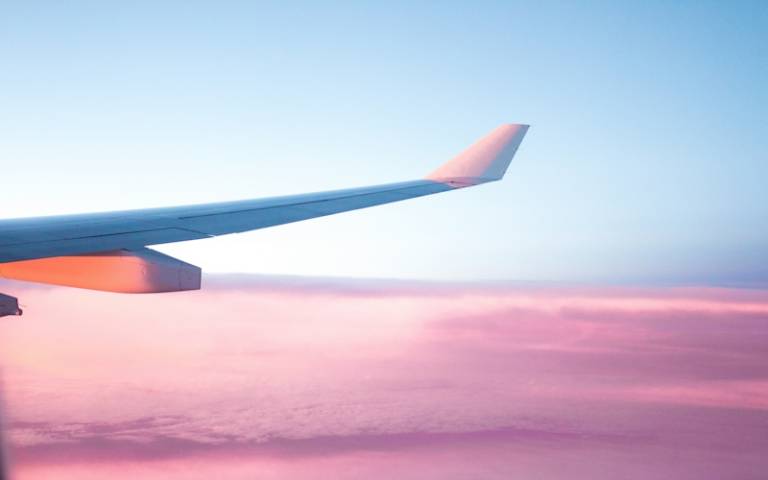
646 160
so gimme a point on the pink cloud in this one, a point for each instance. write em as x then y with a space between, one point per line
298 378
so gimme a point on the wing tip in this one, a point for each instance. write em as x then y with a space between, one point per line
486 160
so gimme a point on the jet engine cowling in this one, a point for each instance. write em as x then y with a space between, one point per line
125 271
8 306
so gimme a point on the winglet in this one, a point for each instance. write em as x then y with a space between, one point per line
485 161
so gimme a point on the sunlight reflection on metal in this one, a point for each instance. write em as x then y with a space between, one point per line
124 271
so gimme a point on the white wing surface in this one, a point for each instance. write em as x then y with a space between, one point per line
25 243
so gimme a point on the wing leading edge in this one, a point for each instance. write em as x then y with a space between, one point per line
27 240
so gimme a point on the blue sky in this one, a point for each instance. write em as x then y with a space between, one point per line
645 162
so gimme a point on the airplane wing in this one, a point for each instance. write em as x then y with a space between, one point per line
82 250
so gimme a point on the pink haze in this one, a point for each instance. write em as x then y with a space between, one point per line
259 377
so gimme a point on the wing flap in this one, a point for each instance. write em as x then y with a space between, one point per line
245 220
100 243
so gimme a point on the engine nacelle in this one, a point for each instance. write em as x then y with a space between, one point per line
124 271
8 306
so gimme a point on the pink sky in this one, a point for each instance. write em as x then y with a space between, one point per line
258 377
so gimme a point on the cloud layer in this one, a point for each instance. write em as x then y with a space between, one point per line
258 377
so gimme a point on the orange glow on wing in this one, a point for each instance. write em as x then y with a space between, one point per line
123 271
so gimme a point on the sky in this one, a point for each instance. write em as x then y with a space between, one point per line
265 378
645 161
600 313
